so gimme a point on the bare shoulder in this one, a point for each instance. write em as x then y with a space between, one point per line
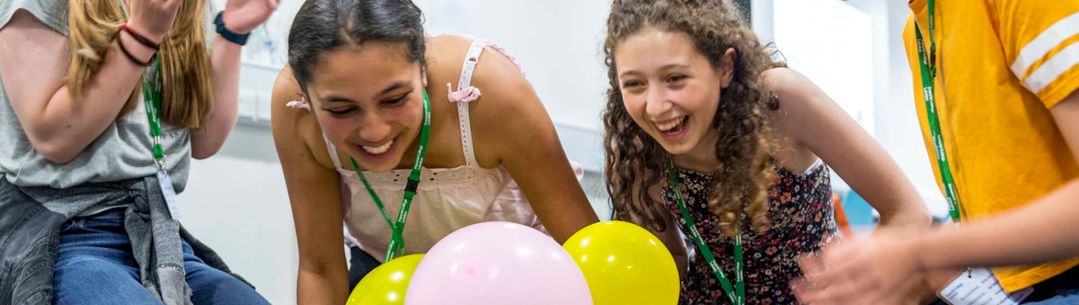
444 55
295 129
795 95
441 41
783 80
507 94
511 114
496 75
507 110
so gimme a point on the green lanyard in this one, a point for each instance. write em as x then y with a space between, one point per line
736 298
152 96
927 62
397 241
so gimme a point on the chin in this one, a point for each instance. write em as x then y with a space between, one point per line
377 163
678 148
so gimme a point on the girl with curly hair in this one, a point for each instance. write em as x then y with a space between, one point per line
706 133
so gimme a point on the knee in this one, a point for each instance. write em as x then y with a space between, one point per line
212 286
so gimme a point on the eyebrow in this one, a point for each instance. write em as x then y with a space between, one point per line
663 68
394 86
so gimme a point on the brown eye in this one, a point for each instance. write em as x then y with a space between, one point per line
339 112
396 101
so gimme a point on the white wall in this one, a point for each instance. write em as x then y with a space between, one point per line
896 126
831 43
883 101
237 204
557 42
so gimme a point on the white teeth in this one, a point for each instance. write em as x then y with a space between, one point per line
379 149
671 125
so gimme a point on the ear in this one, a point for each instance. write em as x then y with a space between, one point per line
726 68
423 77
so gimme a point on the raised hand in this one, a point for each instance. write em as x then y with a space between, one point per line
242 16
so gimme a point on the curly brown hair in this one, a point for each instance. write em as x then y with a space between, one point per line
635 162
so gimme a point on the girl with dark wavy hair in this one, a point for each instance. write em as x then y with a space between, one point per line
393 113
706 133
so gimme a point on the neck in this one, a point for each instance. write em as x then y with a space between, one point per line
701 158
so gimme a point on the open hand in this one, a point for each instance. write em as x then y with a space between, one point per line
881 269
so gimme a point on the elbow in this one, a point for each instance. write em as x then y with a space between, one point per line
56 150
205 145
914 215
203 152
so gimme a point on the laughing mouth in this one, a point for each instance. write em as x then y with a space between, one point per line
377 150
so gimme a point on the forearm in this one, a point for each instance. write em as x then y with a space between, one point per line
883 185
222 118
879 180
1039 232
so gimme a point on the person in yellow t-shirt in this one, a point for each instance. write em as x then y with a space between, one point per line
1005 87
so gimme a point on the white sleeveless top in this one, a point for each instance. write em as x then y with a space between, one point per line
447 198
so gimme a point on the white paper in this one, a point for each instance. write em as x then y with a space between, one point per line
978 286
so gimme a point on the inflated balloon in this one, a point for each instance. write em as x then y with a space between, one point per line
387 284
624 264
497 263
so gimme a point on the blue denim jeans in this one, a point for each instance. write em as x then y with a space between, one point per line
95 265
359 265
1060 289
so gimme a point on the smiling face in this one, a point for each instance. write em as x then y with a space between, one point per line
669 89
369 102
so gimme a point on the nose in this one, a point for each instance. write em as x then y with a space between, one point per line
374 129
656 102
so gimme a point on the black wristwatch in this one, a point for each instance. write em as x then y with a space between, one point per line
240 39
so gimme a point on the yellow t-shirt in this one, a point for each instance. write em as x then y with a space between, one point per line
1002 64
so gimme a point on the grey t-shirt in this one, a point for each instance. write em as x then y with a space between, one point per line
121 152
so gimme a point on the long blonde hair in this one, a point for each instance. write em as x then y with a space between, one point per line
185 61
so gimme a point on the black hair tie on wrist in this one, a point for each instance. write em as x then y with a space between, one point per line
132 56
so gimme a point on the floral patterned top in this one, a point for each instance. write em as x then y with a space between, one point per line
802 220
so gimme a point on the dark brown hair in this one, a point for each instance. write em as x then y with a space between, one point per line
323 26
635 161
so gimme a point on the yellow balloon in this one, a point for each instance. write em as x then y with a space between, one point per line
624 264
386 284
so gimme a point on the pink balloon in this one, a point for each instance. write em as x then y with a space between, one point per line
497 263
